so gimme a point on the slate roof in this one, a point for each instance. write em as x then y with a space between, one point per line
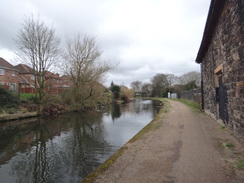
216 7
24 69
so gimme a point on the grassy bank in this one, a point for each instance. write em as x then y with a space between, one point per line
156 123
10 117
153 125
190 103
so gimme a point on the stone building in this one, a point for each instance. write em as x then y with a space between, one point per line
221 56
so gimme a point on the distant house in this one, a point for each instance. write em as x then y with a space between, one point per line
54 84
26 78
221 56
21 78
9 76
65 82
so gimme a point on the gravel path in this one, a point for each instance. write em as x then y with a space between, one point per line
184 147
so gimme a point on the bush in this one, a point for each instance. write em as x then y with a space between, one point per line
125 99
7 98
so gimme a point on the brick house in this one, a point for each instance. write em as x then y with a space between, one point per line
65 82
20 78
9 76
26 78
54 83
221 56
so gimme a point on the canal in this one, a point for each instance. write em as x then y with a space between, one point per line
68 147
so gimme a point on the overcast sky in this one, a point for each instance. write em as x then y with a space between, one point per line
146 37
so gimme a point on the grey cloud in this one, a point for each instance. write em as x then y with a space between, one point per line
146 38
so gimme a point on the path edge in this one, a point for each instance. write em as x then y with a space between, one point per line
156 122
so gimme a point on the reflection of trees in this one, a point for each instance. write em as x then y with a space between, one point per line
64 150
85 138
41 163
34 164
156 107
15 137
116 112
137 105
85 145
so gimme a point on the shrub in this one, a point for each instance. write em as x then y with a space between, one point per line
7 98
125 99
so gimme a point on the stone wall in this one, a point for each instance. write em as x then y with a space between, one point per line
225 56
194 95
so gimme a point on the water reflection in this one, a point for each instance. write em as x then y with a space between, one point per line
116 111
69 147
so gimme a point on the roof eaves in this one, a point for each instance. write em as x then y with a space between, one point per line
214 13
4 64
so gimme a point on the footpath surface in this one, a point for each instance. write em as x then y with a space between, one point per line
184 147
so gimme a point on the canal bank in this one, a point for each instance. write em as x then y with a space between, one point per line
156 123
11 117
67 147
179 146
54 109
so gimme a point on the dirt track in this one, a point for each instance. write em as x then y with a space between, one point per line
188 147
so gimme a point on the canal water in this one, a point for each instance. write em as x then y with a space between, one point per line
68 147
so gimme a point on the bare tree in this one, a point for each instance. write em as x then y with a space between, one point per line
147 89
136 85
38 47
83 66
125 91
190 77
171 79
159 84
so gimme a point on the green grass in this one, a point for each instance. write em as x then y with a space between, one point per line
160 99
230 145
220 145
156 98
92 176
223 145
222 127
27 96
240 164
192 104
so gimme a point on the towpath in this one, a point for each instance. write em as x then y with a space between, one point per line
183 147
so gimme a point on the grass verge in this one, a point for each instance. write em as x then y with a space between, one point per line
27 96
92 176
153 125
192 104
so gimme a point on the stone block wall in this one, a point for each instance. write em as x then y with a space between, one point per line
227 50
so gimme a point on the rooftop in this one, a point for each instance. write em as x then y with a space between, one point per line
214 13
5 64
24 69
